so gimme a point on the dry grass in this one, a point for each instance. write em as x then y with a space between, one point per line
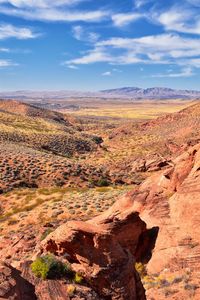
137 110
55 204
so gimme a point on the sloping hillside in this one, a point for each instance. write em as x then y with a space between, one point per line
23 109
38 147
165 135
42 129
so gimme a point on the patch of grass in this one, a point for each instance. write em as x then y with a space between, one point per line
48 267
103 189
78 278
103 182
137 110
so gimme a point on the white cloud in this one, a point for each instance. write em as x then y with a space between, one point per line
185 72
7 63
52 11
10 31
82 34
77 32
193 62
96 55
72 67
180 20
4 50
163 42
108 73
140 3
155 49
40 3
120 20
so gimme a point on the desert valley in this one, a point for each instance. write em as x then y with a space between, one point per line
99 150
99 198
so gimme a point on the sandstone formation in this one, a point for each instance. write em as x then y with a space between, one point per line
13 286
170 199
104 250
22 285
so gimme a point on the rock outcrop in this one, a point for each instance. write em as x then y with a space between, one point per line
22 285
170 199
13 286
105 249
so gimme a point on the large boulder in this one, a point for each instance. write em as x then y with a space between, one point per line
104 250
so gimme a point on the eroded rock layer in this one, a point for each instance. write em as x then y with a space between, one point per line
105 250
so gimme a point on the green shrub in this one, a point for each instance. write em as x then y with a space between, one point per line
78 278
48 267
97 139
102 182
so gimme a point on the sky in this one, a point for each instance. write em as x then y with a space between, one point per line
92 45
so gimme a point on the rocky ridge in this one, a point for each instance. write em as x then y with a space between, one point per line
168 200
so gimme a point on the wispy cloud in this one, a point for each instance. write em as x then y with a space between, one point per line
52 11
108 73
178 19
185 72
72 67
120 20
96 55
4 50
175 40
140 3
82 34
155 49
7 63
21 33
40 3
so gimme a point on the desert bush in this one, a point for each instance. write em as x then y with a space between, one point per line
141 269
78 278
71 290
97 139
48 267
102 182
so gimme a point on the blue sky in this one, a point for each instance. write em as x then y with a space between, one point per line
93 45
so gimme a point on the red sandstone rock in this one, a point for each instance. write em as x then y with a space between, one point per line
13 286
104 250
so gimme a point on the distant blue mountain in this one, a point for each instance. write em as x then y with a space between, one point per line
124 92
152 93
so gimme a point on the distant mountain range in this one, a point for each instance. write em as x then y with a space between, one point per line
125 92
152 93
